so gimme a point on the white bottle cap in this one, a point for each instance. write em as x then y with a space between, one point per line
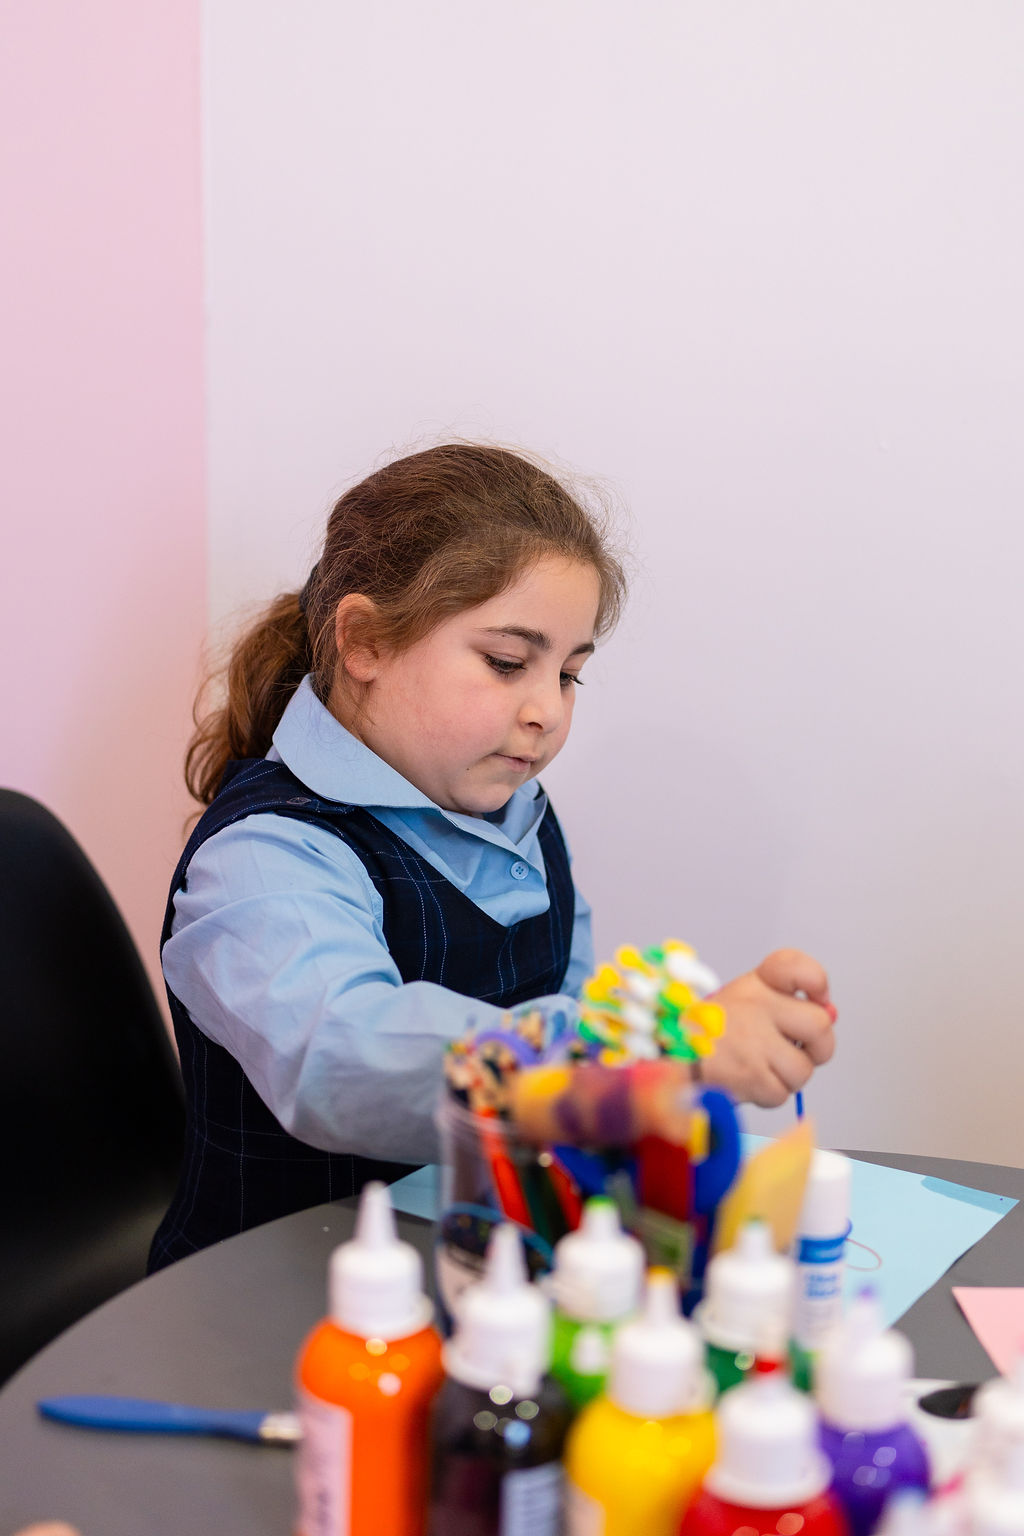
994 1498
375 1282
746 1287
657 1367
862 1371
599 1269
768 1452
502 1332
907 1512
825 1211
998 1411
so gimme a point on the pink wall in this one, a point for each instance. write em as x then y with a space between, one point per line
102 581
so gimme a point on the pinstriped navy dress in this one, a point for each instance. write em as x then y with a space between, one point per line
240 1166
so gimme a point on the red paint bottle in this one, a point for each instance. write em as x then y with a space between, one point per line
769 1477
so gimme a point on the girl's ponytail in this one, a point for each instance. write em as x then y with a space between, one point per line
266 667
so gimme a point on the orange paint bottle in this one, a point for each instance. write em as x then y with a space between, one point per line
365 1378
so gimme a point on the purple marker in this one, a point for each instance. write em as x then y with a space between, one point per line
860 1384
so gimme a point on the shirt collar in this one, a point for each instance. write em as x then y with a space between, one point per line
337 766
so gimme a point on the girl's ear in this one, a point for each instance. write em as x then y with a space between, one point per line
354 630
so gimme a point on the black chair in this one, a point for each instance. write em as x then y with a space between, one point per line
91 1105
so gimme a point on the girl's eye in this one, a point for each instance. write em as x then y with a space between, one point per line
506 667
503 665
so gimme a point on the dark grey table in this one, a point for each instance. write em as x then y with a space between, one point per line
223 1329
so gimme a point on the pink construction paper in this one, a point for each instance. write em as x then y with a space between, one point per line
996 1313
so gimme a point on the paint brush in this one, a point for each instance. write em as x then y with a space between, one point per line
146 1415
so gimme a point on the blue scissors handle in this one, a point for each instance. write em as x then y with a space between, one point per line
715 1174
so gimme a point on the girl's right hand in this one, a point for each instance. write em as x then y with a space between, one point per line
779 1027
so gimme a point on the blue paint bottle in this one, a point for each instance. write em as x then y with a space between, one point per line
860 1384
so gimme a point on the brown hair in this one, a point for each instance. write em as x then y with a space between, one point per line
424 538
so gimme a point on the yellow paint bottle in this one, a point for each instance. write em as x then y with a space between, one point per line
637 1453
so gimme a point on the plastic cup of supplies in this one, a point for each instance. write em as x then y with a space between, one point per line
489 1174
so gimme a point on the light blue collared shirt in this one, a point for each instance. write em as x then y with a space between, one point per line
277 945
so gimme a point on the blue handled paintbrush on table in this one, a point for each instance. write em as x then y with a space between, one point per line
144 1415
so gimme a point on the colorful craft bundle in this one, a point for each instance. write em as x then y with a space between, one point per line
652 1003
553 1108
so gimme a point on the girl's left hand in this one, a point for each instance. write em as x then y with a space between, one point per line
779 1027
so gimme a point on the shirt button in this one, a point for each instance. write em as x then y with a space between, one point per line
519 870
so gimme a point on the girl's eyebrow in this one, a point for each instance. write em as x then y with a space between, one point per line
535 637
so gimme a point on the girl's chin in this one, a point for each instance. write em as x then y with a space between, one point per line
483 802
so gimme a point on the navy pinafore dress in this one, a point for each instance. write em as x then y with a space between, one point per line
240 1166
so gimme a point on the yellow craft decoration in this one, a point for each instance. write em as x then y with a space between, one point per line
678 995
630 959
710 1017
700 1135
770 1188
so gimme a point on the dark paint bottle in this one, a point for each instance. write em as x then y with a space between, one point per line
498 1424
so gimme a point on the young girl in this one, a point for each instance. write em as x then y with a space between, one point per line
378 866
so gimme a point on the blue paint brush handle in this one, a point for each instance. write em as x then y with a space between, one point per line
141 1414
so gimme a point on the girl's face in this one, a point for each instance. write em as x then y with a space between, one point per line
484 702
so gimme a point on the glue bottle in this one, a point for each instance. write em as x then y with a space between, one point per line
820 1249
636 1453
596 1284
860 1384
748 1289
769 1475
365 1378
993 1497
498 1424
998 1412
911 1513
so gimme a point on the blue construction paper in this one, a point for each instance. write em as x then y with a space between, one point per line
419 1193
907 1229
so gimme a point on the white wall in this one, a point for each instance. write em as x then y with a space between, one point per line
757 265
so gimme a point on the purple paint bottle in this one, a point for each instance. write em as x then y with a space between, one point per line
860 1385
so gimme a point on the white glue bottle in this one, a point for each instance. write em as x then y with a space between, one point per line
748 1293
993 1498
820 1249
998 1412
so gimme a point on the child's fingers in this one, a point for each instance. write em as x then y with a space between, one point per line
790 971
791 1065
807 1024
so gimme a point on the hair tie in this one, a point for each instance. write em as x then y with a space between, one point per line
307 590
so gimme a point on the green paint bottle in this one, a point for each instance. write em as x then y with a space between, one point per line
597 1283
748 1297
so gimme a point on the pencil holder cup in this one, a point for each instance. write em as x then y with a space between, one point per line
666 1194
490 1175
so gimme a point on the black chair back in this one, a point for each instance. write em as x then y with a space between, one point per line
91 1105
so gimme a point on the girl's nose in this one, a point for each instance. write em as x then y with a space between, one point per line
545 705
